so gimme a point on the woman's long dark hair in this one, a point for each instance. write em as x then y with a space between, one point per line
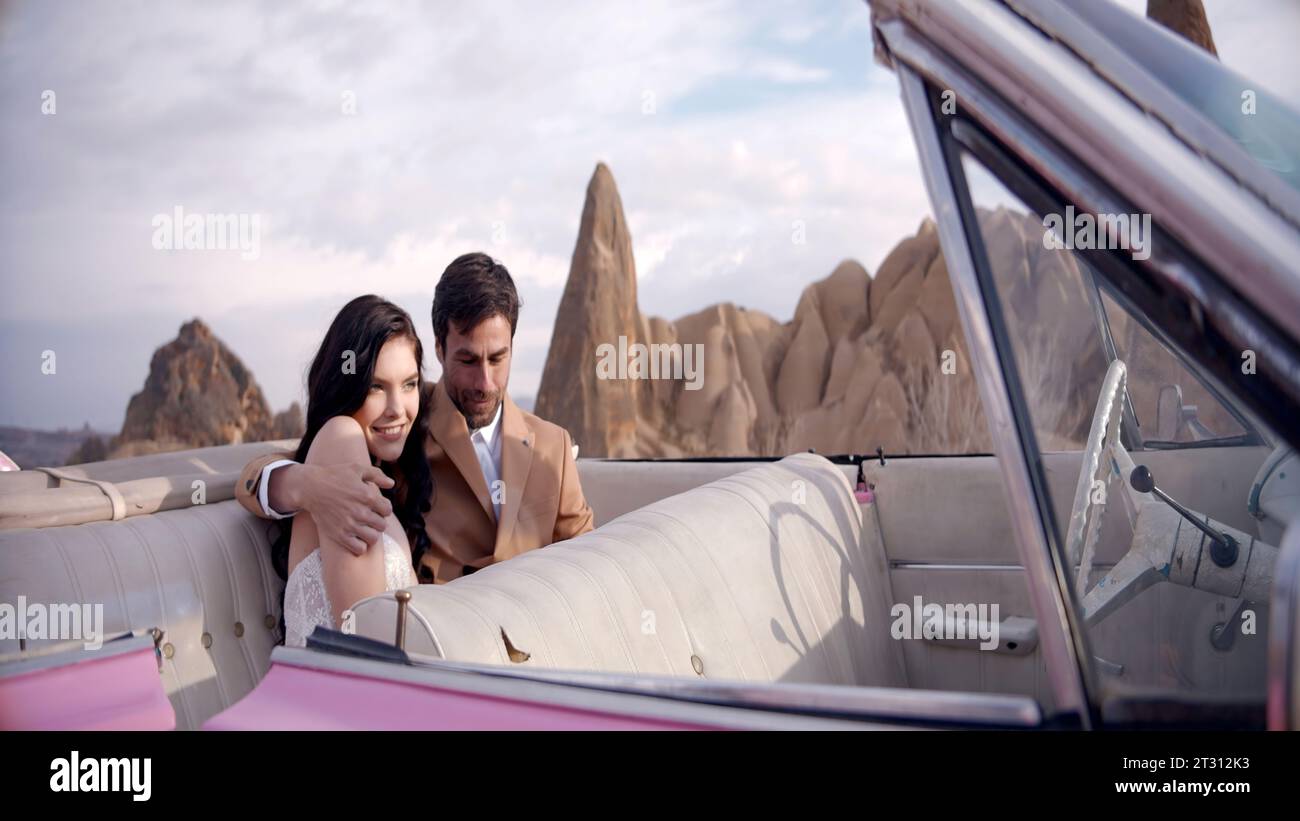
337 385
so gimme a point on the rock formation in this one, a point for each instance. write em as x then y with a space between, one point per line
288 423
599 305
1184 17
865 362
197 394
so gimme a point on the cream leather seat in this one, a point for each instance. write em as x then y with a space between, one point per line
773 574
200 574
770 574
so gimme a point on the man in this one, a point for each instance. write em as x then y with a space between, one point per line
504 480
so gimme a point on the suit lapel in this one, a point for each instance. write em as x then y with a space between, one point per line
517 441
448 429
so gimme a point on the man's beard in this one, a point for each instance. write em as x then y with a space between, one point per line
481 419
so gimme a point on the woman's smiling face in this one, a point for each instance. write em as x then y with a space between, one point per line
392 400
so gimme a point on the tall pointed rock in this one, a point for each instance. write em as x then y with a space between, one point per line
598 307
1185 17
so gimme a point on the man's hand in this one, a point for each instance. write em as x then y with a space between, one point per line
344 500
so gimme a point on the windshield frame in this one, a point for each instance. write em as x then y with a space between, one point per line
1150 64
956 49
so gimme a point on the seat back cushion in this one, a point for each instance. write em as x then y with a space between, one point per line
772 574
201 574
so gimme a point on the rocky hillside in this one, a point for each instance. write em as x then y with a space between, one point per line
197 394
854 369
865 362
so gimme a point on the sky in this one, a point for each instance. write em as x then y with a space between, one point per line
375 142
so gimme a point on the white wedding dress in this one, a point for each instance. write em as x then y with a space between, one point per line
306 604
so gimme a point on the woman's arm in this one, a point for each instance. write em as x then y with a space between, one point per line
348 577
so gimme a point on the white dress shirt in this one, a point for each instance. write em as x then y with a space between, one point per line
265 483
487 447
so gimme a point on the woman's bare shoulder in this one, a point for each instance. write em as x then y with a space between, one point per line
341 427
340 439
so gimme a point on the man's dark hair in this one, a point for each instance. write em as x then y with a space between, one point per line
474 287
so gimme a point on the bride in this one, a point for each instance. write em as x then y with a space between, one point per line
363 406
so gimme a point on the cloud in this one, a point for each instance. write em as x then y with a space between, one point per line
787 71
476 127
733 129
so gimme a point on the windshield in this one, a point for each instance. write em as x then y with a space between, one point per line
1172 405
1166 607
1264 124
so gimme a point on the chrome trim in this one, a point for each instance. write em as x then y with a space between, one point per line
1089 29
937 706
1045 588
71 652
951 566
1048 161
460 678
1283 638
906 565
745 705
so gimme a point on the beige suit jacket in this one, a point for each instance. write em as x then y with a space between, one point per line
542 500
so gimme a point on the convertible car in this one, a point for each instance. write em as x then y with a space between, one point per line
1146 575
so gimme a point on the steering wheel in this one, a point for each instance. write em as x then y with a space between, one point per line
1156 553
1105 455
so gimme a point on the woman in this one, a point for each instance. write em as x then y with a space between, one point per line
363 404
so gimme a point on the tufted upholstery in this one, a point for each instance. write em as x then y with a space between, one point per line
200 570
772 574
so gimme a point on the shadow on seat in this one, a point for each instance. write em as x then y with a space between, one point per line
772 574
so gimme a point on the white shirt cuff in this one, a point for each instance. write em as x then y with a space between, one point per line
266 483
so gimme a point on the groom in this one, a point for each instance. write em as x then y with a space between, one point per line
504 481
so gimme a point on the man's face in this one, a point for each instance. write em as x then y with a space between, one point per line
476 368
